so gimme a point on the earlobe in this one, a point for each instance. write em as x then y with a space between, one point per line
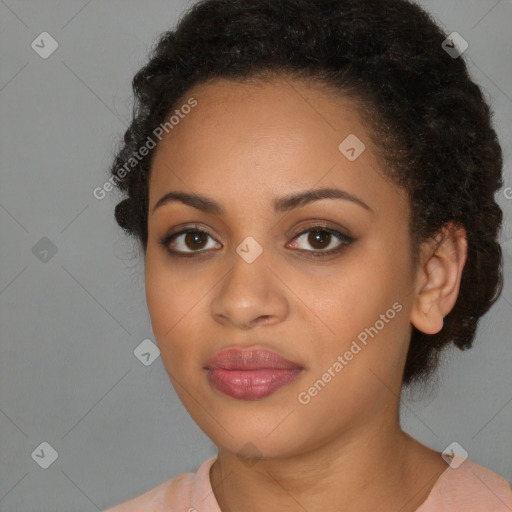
438 278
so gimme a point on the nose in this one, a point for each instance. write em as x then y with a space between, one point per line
250 294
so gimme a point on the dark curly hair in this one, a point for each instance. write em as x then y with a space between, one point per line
428 119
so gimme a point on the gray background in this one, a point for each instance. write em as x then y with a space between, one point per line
70 321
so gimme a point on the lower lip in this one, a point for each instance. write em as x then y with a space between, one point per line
250 384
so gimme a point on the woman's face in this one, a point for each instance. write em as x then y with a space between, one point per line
256 281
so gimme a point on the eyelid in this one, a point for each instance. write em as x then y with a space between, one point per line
319 225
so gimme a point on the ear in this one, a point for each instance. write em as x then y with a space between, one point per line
438 278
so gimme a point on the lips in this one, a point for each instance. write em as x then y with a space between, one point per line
250 374
254 359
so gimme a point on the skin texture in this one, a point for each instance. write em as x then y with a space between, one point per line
243 145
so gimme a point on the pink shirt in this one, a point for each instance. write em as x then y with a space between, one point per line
468 488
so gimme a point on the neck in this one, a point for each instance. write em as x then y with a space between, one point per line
374 468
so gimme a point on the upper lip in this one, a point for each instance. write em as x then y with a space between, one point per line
250 359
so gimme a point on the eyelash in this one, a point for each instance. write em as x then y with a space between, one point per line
347 240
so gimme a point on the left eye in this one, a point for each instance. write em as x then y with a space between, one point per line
319 237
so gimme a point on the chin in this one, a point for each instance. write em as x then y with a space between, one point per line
256 441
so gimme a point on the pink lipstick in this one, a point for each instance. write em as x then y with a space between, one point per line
250 374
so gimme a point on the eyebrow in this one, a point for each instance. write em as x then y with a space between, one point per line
281 204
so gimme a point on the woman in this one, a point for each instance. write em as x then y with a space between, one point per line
312 182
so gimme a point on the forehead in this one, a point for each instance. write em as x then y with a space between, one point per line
250 141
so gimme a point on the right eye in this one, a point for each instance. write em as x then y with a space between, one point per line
188 238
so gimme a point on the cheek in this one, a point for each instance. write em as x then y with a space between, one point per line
359 311
342 301
173 302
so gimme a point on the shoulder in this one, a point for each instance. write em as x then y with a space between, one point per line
177 492
466 486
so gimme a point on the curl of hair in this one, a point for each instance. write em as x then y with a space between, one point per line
428 119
